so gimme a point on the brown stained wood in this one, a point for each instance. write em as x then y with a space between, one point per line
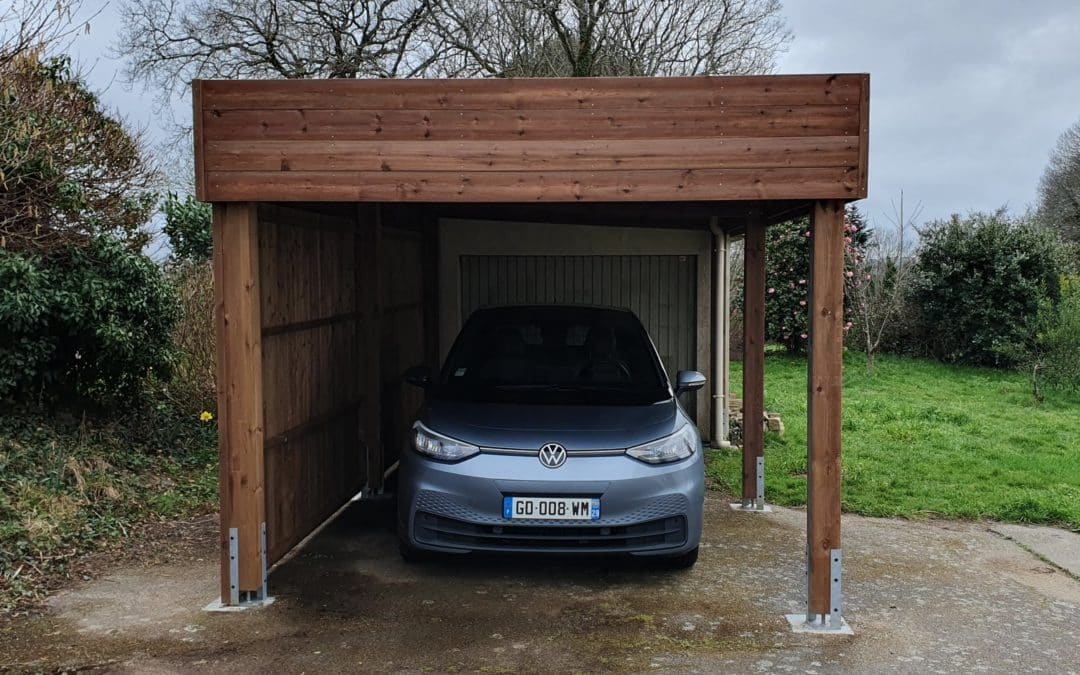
534 140
864 137
527 186
240 388
279 329
823 398
199 139
311 424
223 419
367 244
513 155
753 355
312 349
311 473
491 125
539 93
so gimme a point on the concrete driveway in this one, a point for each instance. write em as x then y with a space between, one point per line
921 597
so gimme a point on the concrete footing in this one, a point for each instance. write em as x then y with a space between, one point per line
799 624
217 606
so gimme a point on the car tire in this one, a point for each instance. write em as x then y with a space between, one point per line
683 561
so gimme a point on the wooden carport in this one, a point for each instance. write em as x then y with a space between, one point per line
327 197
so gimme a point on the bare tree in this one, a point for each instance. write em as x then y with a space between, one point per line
609 37
37 25
170 42
1059 189
877 283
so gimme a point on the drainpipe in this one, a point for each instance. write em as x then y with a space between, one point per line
721 334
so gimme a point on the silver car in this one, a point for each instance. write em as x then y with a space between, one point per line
553 429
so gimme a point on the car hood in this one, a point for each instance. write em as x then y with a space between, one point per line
577 427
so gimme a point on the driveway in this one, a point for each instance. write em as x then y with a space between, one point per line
921 597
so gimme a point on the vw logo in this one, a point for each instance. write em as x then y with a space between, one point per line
552 455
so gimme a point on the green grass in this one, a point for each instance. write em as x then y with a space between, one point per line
70 486
924 439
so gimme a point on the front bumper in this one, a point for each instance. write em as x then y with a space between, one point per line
645 510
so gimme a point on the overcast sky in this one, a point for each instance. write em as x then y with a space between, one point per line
966 97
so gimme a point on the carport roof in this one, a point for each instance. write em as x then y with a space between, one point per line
697 139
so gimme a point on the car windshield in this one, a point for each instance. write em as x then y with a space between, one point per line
553 355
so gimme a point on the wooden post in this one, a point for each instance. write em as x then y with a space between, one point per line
369 305
240 400
753 388
823 413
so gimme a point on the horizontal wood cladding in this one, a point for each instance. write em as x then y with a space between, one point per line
531 94
581 155
529 186
527 140
535 125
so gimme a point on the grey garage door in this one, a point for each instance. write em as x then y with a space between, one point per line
660 289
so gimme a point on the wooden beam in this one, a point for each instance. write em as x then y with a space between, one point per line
240 394
753 361
643 154
691 184
823 407
532 125
533 93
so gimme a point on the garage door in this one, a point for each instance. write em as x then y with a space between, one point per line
660 289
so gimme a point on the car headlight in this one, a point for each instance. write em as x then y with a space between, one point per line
678 445
427 442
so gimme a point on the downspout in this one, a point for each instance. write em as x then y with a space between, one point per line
721 334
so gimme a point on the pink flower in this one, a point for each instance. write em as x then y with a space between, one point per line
808 233
850 274
803 336
802 281
772 290
868 277
847 240
802 303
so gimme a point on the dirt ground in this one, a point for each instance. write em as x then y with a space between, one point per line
921 597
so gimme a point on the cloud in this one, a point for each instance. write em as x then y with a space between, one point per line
966 98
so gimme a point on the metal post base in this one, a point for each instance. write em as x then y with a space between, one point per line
254 601
823 624
753 507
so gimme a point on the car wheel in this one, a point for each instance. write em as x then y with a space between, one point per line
683 561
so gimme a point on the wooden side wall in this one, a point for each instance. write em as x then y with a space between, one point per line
315 372
771 137
408 274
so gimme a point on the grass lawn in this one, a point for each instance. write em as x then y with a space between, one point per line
924 439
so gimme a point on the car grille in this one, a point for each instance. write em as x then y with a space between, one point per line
438 530
455 507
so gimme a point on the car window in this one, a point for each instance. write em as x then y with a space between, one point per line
553 355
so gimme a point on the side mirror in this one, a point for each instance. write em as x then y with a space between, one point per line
688 380
418 376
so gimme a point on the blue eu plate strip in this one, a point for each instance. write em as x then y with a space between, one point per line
508 507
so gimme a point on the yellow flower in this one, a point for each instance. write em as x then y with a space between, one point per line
206 416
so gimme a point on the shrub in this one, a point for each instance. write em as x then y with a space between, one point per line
979 283
191 389
84 326
787 252
1059 341
69 171
188 227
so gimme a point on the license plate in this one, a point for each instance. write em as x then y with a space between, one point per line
552 508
